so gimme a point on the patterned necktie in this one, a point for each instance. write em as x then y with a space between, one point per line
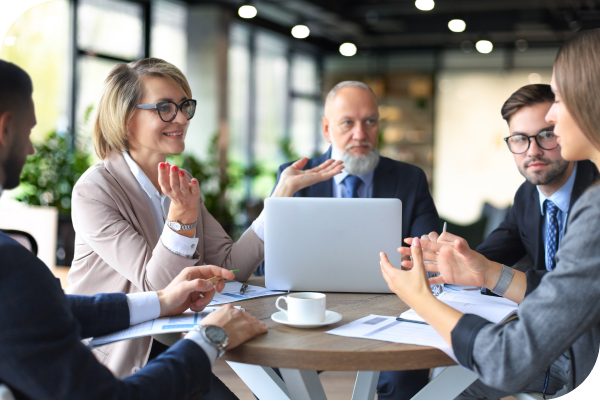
352 182
551 234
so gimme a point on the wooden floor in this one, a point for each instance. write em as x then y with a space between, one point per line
337 385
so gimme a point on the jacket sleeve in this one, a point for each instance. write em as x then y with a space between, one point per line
99 314
563 308
504 245
43 356
98 220
425 215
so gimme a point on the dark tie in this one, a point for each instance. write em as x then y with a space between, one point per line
352 182
551 234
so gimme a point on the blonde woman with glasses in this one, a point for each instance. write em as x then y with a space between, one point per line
554 344
138 220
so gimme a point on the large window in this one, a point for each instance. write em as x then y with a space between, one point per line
44 53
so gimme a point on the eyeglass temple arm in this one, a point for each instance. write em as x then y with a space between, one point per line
151 106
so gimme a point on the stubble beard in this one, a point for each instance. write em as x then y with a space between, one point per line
556 169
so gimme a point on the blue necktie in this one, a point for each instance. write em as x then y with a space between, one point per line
352 182
551 234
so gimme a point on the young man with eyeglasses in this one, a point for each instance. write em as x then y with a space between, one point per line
537 220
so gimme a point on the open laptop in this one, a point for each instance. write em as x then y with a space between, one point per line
330 244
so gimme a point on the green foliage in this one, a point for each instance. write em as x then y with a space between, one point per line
50 174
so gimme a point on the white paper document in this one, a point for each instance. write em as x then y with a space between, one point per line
387 328
494 313
163 325
231 293
473 297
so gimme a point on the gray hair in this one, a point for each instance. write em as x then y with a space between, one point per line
333 92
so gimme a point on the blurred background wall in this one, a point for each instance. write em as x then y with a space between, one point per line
260 87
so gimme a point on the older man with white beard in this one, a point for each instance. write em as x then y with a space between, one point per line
351 125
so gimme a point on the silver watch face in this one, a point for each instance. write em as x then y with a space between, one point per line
176 226
215 334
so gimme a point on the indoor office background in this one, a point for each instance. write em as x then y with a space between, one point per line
260 91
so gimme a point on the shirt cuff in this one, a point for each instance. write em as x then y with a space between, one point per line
143 306
258 226
178 244
211 350
463 338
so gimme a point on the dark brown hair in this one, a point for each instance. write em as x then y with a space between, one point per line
577 76
15 87
527 95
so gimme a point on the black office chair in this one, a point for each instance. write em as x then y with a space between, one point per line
23 238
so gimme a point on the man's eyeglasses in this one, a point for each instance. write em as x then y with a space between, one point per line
167 111
520 143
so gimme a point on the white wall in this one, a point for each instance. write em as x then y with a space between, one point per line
472 163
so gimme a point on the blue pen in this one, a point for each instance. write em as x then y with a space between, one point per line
410 321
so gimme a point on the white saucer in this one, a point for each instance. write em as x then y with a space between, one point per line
330 318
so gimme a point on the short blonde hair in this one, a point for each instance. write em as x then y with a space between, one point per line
577 75
123 91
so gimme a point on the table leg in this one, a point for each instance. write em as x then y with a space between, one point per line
262 381
447 385
365 385
303 384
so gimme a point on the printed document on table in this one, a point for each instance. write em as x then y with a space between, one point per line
387 328
231 293
174 324
495 313
454 293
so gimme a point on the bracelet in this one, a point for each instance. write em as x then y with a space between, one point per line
504 281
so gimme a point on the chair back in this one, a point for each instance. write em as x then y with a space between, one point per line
23 238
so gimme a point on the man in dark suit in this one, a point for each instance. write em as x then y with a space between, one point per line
537 220
351 125
42 355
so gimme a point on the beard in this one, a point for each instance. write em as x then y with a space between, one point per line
13 166
556 169
360 164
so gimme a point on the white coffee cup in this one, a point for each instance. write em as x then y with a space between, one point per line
304 307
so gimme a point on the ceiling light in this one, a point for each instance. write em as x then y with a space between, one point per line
247 11
534 78
521 45
300 31
457 25
10 40
484 46
425 5
348 49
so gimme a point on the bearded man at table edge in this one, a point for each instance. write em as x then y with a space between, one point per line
351 125
43 356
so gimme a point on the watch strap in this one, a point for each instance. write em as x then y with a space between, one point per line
503 281
181 226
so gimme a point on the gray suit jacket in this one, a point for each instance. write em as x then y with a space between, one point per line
560 313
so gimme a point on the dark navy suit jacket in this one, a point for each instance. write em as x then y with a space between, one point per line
392 179
41 353
520 233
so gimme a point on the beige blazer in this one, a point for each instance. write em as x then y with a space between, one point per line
117 249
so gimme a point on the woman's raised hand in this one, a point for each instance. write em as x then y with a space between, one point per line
184 195
293 178
457 263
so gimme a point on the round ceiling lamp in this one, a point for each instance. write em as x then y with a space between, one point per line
457 25
425 5
300 31
348 49
484 46
247 12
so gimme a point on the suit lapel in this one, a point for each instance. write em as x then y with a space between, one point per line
322 189
139 202
383 186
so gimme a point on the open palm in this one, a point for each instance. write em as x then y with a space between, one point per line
293 178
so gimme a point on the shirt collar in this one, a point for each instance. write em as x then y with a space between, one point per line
367 178
562 197
141 177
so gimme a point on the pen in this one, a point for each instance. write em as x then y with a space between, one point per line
217 278
244 288
410 321
445 224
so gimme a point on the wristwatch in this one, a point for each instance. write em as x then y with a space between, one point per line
177 226
214 335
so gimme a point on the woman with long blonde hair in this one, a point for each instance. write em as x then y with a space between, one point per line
138 220
554 344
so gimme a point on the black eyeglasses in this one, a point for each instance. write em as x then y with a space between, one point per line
520 143
167 111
